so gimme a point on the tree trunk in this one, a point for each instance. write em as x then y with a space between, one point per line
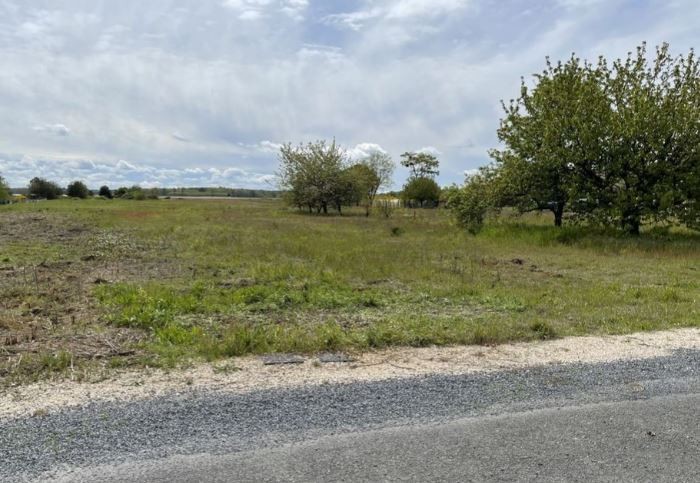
558 214
631 222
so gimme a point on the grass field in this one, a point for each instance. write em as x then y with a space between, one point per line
86 286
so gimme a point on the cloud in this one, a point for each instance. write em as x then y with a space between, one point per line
257 9
429 150
364 150
180 137
18 172
55 129
397 10
171 86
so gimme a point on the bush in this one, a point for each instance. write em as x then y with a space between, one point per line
42 188
77 189
105 192
471 203
423 190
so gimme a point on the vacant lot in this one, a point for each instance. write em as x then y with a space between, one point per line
90 285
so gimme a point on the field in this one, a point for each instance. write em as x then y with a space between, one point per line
89 286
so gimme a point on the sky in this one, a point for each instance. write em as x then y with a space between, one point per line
202 92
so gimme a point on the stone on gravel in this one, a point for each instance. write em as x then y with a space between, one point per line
275 359
335 357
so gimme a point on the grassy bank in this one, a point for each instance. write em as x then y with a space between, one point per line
162 282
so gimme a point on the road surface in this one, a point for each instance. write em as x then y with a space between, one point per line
623 421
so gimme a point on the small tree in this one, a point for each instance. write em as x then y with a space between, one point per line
421 165
363 186
4 189
382 168
105 192
313 175
471 202
423 190
77 189
42 188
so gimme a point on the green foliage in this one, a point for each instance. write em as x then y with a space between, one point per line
77 189
136 193
4 189
471 203
615 144
421 165
369 176
422 190
312 175
317 176
105 192
42 188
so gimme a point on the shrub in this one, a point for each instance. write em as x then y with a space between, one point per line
77 189
471 203
105 192
42 188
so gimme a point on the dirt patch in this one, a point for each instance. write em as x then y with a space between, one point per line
250 374
49 266
22 227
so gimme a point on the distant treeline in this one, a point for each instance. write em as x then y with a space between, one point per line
220 191
41 188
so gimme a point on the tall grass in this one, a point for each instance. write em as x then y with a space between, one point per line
255 277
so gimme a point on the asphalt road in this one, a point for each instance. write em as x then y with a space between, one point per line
624 421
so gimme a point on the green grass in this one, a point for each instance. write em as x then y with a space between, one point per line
248 277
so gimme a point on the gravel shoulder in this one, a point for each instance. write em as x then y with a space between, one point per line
212 419
249 374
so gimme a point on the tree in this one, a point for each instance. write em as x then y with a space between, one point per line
422 190
379 174
549 132
654 138
120 192
471 202
421 165
4 189
615 144
313 175
105 192
42 188
77 189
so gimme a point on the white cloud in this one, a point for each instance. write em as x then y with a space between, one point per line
397 11
257 9
55 129
429 150
125 173
183 84
363 150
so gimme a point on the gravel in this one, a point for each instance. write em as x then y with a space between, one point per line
219 423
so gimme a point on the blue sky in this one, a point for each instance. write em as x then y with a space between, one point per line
202 92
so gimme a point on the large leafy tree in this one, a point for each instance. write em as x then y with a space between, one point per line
549 133
615 143
655 137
